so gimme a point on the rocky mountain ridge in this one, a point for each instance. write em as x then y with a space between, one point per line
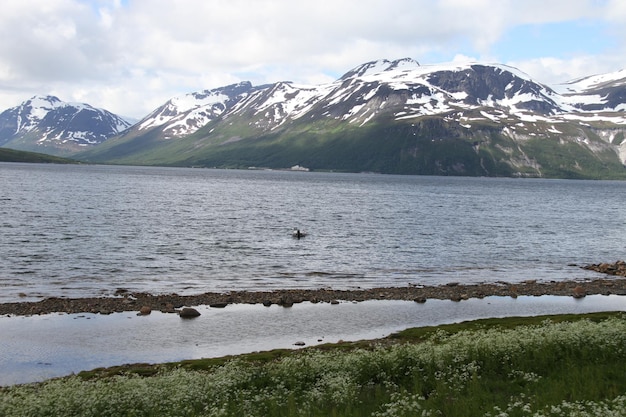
186 114
392 117
358 96
49 125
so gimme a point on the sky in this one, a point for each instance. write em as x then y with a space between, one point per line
131 56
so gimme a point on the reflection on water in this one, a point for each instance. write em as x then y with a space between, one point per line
46 346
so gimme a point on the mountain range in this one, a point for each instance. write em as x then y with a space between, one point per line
383 116
48 125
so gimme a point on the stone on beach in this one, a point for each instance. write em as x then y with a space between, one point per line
579 292
145 310
172 303
188 313
618 268
168 308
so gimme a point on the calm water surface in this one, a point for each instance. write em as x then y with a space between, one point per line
52 345
89 230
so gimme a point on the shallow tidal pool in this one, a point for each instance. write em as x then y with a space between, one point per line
36 348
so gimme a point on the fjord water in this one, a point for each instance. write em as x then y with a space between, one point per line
80 230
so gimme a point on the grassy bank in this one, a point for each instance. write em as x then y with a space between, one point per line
556 366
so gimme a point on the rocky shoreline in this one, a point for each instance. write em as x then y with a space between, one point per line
144 303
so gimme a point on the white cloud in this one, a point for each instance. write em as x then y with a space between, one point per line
554 71
131 56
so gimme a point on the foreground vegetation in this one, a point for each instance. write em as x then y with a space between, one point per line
557 366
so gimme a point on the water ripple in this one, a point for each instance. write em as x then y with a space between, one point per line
84 230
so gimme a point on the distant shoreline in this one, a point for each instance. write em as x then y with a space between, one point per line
125 301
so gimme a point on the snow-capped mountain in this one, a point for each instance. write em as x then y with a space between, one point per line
401 90
47 124
184 115
392 116
605 93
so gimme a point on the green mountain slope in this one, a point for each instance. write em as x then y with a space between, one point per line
387 117
430 146
11 155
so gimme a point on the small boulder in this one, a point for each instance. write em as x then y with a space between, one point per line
579 292
188 313
145 310
299 344
286 302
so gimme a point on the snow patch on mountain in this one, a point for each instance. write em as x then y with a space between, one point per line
584 84
375 68
471 93
48 120
194 104
184 115
288 100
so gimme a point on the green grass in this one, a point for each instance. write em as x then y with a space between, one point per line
557 366
12 155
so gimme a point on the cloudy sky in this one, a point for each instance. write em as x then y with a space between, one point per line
130 56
